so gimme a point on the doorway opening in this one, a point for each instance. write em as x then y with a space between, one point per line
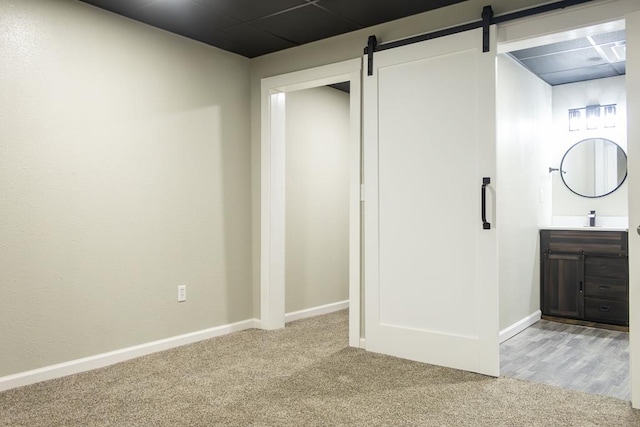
542 83
316 200
273 251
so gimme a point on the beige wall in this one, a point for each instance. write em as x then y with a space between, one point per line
317 198
524 190
124 172
336 49
127 168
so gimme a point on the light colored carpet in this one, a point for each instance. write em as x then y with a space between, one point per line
303 375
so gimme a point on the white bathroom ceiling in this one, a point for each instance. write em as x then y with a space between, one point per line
588 58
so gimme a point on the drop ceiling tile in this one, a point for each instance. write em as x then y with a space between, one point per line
225 41
613 52
119 6
564 61
448 2
222 41
185 18
253 42
305 24
620 67
551 48
246 10
616 36
342 86
580 74
372 12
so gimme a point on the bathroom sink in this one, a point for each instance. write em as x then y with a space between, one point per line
603 223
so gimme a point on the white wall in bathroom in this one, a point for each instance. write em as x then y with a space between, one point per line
523 186
611 90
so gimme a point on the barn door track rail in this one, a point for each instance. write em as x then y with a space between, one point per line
487 20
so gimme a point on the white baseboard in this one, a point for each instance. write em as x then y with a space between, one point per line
316 311
363 343
519 326
113 357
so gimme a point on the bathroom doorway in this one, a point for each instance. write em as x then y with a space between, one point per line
541 81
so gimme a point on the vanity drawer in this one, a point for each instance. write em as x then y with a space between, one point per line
616 268
602 310
590 242
606 288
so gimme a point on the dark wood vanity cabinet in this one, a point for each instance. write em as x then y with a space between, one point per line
585 275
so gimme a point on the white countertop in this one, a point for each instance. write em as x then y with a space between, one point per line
603 223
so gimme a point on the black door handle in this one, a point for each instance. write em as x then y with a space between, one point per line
485 181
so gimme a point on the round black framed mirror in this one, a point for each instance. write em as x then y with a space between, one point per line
594 167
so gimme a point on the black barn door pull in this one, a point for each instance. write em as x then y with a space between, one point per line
485 181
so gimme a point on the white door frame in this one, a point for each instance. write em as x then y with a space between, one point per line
577 21
272 189
633 155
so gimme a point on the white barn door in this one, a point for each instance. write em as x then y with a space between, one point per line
431 286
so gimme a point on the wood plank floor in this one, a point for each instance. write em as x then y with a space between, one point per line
570 356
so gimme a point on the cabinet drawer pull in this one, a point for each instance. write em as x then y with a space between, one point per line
605 287
604 308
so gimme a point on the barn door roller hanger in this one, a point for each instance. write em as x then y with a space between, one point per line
487 20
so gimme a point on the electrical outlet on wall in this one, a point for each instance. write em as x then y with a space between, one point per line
182 293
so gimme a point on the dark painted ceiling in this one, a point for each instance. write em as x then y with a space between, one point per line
593 57
256 27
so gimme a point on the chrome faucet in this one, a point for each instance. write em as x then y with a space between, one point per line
592 218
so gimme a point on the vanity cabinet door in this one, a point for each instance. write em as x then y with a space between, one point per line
562 292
